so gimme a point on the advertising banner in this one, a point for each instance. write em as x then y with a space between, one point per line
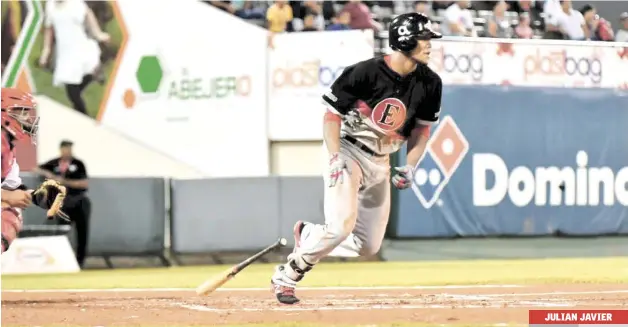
21 20
302 67
199 99
530 63
40 255
522 161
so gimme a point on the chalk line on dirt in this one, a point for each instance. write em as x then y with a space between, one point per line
489 296
265 289
201 308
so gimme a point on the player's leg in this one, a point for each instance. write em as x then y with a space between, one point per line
341 211
373 213
11 226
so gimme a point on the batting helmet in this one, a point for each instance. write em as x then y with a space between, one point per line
406 29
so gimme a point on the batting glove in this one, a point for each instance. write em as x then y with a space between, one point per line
336 167
403 178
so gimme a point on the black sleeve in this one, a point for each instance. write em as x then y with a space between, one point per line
347 89
429 112
81 171
49 166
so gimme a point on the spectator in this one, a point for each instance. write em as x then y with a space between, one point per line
531 7
341 22
599 29
622 33
77 54
329 12
441 4
248 10
458 20
423 7
278 16
224 6
571 22
309 24
311 8
521 5
552 11
523 29
71 172
498 25
361 16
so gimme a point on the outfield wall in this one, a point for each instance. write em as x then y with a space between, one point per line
503 161
521 161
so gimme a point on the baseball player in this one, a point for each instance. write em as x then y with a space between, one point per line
19 122
373 108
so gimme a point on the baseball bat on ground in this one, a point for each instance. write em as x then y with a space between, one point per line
213 283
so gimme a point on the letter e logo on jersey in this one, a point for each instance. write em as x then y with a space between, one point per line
445 151
389 115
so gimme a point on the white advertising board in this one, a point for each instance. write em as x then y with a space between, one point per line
302 67
531 62
39 255
191 84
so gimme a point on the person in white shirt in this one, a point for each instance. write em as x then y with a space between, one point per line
572 23
458 20
622 33
552 12
77 54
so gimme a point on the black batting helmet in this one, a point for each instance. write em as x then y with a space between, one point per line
406 29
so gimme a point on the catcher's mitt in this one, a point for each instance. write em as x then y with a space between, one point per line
49 196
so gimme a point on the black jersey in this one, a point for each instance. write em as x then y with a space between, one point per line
379 107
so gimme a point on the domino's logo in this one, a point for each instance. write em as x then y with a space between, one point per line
445 151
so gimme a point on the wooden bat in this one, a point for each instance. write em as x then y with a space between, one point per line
213 283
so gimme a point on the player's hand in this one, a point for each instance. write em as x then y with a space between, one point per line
403 178
337 169
17 198
352 119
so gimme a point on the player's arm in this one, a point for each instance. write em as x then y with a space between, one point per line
17 198
45 170
429 115
81 182
14 193
344 93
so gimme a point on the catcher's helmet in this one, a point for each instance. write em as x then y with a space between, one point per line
406 29
18 114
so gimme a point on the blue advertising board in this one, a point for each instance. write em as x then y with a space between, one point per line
521 161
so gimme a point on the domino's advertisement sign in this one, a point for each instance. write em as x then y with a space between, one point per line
521 161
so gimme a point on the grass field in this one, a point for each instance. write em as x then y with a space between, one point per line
596 270
481 272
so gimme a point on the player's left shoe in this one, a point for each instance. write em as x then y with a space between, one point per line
284 281
283 287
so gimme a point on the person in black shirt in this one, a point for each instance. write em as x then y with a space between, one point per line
71 172
373 108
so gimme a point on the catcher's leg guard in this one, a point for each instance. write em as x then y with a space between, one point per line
11 226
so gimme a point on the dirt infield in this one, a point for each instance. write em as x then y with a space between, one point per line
453 304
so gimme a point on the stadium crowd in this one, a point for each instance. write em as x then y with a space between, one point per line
547 19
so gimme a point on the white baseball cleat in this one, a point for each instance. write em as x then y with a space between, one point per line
283 287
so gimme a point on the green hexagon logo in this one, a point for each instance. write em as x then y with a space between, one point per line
149 74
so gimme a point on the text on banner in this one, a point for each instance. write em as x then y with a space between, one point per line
577 317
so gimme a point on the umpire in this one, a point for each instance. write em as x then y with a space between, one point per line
71 172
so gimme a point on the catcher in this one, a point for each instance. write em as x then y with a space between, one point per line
19 122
